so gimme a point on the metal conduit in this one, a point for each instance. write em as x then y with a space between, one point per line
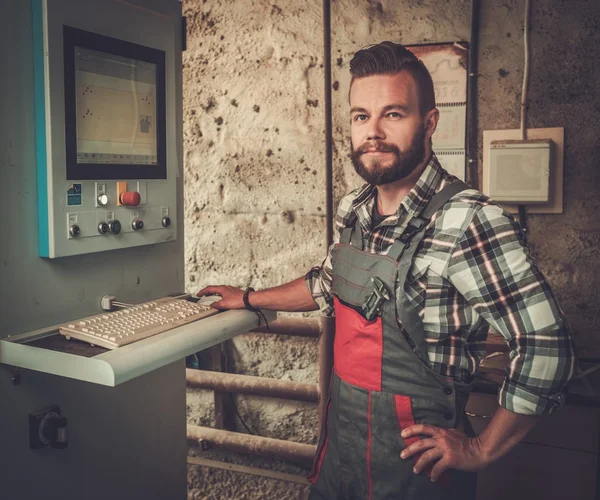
295 327
299 453
472 171
257 386
328 120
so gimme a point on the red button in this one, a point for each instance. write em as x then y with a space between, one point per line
131 198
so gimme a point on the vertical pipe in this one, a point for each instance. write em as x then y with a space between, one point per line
471 175
328 120
327 324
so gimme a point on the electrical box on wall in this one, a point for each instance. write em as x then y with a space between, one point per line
524 172
519 171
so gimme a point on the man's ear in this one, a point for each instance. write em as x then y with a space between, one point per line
431 120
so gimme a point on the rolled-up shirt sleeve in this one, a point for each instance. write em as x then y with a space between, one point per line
492 268
318 281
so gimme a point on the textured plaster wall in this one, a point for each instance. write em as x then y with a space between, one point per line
255 166
255 198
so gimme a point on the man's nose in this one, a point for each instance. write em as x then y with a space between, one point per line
375 132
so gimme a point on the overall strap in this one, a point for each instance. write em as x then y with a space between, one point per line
345 235
405 248
439 199
419 223
352 235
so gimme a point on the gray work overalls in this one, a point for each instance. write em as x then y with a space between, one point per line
382 381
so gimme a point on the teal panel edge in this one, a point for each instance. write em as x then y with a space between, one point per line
40 126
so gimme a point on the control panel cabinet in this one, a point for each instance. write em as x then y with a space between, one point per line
106 150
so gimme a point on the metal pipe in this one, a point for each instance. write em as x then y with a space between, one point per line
296 327
257 386
525 72
299 453
328 121
244 469
472 174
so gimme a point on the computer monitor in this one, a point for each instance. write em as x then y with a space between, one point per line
114 108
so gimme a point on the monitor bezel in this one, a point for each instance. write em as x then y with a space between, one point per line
73 37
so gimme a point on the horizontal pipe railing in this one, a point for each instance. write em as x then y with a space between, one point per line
245 469
295 327
298 453
257 386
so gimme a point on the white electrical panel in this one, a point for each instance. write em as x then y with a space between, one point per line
519 171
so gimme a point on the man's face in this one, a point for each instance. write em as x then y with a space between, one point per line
389 134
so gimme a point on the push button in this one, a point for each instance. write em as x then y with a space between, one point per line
448 391
130 198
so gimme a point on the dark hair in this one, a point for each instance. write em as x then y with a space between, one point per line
389 58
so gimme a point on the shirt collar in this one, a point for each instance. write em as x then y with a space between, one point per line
416 199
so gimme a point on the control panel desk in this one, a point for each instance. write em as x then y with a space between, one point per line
125 412
114 367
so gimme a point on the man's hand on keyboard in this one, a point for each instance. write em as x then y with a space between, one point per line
231 297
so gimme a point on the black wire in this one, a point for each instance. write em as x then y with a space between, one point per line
262 317
233 400
240 417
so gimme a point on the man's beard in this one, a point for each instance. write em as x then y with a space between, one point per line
403 165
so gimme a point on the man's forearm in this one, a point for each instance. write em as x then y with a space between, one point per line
291 297
503 432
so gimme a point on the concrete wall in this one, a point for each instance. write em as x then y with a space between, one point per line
254 162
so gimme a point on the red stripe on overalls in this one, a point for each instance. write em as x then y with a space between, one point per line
320 455
369 440
358 347
406 419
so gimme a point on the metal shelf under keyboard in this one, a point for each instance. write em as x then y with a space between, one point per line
117 366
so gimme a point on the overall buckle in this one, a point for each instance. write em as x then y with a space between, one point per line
373 304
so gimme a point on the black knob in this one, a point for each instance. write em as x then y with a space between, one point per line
74 230
137 224
166 221
114 227
53 431
103 228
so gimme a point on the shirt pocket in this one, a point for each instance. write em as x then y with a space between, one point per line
416 283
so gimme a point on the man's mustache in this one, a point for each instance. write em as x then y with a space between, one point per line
379 147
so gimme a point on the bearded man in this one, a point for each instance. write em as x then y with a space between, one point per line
420 267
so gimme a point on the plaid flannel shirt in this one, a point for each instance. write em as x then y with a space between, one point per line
471 270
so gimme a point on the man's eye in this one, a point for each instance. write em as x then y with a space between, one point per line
393 114
360 118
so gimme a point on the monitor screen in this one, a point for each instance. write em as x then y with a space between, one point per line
114 103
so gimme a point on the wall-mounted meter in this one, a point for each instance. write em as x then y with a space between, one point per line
106 174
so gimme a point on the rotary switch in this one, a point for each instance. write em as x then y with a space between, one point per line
47 428
114 227
137 224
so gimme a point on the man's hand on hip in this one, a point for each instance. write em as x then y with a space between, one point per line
443 449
